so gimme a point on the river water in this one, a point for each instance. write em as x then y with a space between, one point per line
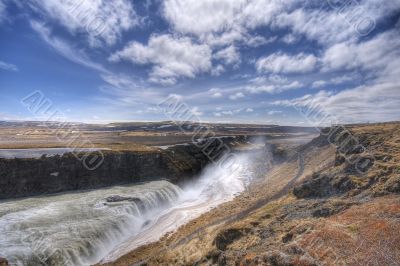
86 227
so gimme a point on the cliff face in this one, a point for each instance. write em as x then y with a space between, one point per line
30 177
331 214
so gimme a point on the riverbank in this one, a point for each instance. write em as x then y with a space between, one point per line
312 209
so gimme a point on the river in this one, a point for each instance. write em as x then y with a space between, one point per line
87 227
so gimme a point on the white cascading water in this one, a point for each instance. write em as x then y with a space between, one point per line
87 227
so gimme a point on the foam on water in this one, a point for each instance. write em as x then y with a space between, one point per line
90 226
77 228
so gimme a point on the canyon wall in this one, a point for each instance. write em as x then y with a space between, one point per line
31 177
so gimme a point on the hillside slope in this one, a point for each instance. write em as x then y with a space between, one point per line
313 209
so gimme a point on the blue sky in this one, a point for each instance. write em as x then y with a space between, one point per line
229 61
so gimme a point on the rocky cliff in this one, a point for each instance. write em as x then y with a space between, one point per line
320 208
29 177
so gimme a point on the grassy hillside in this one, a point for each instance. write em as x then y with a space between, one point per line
313 209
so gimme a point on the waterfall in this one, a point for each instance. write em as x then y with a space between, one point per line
78 228
218 183
83 228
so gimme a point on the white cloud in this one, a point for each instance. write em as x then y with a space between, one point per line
217 70
196 111
273 89
256 89
380 54
283 63
249 110
335 21
343 79
291 86
65 49
335 80
377 100
236 96
229 55
3 12
289 38
256 41
221 22
272 84
127 91
170 57
325 26
374 103
101 20
203 17
8 66
227 112
273 112
318 84
216 95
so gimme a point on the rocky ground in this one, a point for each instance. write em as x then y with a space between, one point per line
130 152
316 208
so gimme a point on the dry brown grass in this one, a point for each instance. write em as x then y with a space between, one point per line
368 233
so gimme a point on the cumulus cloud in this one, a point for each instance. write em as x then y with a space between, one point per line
217 70
272 84
219 21
202 17
335 21
101 20
343 79
215 93
222 22
8 66
170 57
214 36
289 38
284 63
227 112
229 55
236 96
318 84
196 111
273 89
376 100
225 21
380 54
375 103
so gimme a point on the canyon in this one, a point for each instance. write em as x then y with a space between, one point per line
288 199
56 211
312 209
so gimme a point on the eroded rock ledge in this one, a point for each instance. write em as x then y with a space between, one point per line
31 177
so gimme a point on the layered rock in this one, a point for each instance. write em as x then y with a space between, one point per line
36 176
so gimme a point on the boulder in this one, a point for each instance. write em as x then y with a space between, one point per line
3 262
